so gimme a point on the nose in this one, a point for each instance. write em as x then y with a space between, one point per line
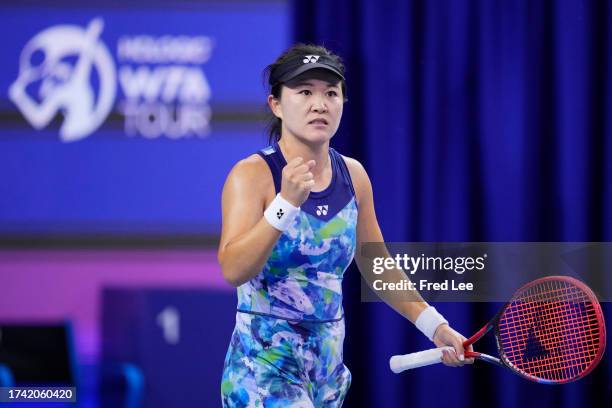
318 105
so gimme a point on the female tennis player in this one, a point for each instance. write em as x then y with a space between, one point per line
293 215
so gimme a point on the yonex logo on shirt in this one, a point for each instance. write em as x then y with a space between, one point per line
280 214
310 59
322 210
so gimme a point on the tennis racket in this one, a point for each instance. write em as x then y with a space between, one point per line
552 331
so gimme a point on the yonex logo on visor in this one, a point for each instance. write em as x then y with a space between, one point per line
302 63
310 59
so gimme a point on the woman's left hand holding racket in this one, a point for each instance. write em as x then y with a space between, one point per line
447 336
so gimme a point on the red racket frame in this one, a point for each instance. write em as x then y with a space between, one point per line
504 362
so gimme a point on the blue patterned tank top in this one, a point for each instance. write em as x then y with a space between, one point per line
302 278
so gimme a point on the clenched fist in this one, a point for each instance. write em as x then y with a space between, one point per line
297 181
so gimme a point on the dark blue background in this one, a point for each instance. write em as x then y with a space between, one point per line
477 121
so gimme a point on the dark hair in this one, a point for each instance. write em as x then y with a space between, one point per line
275 124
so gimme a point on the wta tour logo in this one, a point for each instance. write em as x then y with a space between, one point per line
67 69
55 75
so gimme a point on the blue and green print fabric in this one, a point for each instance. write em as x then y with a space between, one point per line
286 348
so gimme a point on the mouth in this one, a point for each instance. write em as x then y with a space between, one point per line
318 121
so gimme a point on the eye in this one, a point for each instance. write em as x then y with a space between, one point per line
306 92
332 93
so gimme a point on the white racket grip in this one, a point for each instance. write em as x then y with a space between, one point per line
415 360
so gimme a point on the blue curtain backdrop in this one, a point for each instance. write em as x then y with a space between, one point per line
477 121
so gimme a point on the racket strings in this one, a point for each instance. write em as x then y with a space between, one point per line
551 331
532 348
535 356
537 360
572 315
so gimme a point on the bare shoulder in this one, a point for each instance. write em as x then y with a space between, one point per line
251 170
356 169
251 174
359 176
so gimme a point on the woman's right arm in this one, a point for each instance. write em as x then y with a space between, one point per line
247 238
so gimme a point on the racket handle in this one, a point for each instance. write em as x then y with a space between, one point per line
415 360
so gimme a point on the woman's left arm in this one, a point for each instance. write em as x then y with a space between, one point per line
368 230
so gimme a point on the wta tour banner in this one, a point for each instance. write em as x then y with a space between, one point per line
126 120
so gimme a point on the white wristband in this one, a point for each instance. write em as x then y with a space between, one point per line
281 213
428 321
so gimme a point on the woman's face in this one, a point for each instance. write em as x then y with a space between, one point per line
310 109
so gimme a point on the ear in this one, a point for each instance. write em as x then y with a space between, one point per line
274 105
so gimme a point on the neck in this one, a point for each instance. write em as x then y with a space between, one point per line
292 147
